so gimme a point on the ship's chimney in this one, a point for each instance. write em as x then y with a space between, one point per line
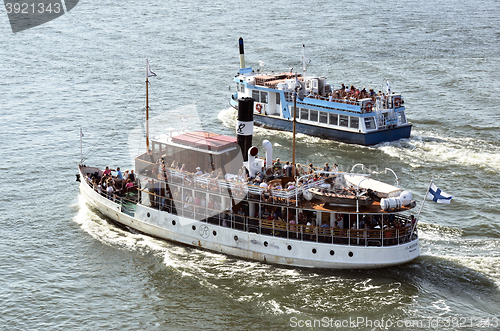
242 54
244 126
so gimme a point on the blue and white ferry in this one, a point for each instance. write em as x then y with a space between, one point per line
342 113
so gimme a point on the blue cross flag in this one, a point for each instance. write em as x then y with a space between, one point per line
437 195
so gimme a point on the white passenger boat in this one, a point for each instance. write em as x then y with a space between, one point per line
228 209
343 113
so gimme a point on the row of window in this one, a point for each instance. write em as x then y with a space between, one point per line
305 114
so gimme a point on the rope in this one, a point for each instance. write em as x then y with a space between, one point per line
94 147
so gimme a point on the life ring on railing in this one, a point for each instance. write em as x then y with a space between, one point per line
238 191
188 181
338 217
258 107
397 102
213 186
368 107
263 195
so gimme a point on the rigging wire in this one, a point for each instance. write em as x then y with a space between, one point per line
95 146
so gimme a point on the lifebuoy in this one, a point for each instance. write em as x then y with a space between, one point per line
397 102
258 107
213 186
263 195
338 217
368 107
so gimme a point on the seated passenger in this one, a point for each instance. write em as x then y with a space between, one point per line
198 171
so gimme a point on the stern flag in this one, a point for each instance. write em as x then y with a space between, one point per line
437 195
150 73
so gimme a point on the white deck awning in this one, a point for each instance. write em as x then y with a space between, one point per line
383 190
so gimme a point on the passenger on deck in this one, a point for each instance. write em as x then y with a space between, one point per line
174 164
151 157
263 184
106 172
277 164
183 168
129 184
125 175
220 176
198 171
326 167
119 174
311 168
109 191
288 169
132 176
342 88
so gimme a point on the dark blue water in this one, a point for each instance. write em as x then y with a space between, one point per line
63 267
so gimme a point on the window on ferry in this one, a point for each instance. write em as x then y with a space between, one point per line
304 114
323 117
288 96
344 120
277 98
401 117
263 97
313 115
354 122
370 123
242 88
334 119
255 95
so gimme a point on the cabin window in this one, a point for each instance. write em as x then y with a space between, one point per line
401 117
344 120
255 95
323 117
304 114
354 122
289 96
263 97
370 123
277 98
313 115
334 119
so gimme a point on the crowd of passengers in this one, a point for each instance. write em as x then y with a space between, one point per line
262 177
346 94
110 185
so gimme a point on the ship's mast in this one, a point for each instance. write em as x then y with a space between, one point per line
147 106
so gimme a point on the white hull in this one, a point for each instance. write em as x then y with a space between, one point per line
251 245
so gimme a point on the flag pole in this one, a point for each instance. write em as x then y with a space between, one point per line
294 131
147 106
414 226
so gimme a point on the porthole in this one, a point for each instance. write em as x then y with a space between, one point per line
332 253
289 247
173 222
214 233
265 243
236 238
149 215
193 227
351 254
314 250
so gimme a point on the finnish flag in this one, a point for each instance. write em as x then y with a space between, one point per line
436 195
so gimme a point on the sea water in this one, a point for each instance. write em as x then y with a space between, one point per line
65 267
